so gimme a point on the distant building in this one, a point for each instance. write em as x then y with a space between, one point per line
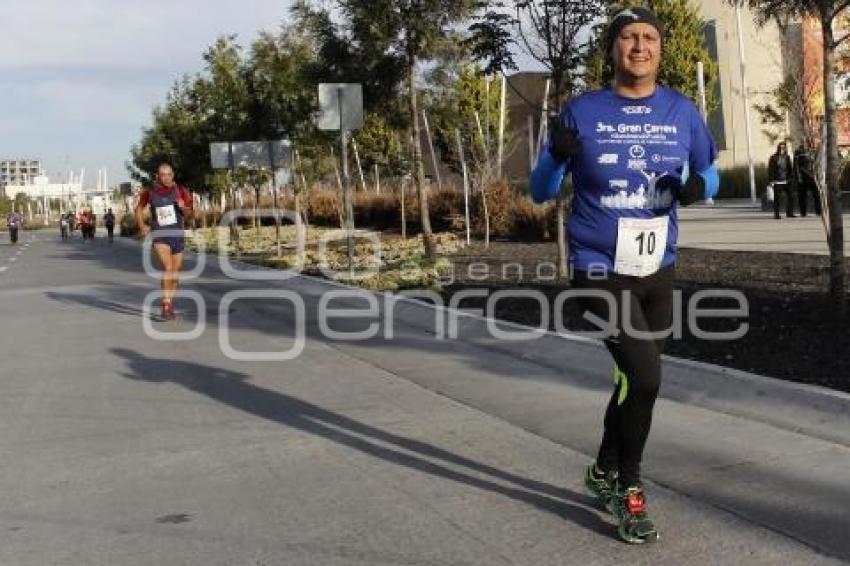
804 60
524 103
18 172
71 194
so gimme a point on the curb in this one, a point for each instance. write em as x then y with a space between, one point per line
807 409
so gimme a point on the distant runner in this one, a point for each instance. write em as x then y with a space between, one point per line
63 226
14 222
169 204
109 222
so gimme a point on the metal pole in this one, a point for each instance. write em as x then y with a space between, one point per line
732 107
359 165
431 147
403 217
746 96
346 183
500 154
702 103
487 110
701 90
270 146
544 118
460 154
484 146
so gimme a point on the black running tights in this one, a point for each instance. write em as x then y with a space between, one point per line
629 415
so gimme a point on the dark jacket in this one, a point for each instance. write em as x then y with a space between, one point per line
803 167
775 171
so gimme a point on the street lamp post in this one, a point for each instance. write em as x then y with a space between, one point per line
746 96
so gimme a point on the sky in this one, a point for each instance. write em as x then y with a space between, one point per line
78 79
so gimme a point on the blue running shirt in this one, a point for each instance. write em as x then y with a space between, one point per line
636 153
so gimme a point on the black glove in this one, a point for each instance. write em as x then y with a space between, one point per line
693 190
563 142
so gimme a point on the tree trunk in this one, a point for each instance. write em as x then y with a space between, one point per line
256 204
837 262
561 216
486 218
561 201
418 167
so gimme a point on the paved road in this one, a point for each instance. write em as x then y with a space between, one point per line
119 449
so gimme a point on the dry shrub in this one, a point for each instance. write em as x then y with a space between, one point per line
512 214
500 204
530 221
376 211
324 208
446 208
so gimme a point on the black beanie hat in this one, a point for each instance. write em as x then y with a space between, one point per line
632 16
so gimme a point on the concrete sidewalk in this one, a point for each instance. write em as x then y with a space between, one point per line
740 226
123 450
774 452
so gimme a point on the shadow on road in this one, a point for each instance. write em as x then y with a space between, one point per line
93 301
234 389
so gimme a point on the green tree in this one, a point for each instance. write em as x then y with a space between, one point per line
826 13
454 102
347 53
456 89
173 130
411 30
21 199
379 144
214 106
282 95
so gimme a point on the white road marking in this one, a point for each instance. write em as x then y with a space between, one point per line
13 259
4 268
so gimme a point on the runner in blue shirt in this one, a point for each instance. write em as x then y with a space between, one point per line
634 150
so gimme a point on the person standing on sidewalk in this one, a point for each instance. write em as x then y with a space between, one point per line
779 170
169 204
633 149
804 174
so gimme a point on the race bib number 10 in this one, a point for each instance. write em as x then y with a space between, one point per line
640 245
166 216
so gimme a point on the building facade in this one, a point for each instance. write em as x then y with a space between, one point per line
18 172
763 55
804 62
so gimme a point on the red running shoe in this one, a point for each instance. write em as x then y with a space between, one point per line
167 310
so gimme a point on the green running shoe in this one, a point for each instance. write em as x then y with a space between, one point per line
635 526
600 485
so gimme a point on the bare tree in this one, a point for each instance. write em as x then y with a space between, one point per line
826 13
550 31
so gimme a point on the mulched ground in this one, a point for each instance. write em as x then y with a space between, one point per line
795 331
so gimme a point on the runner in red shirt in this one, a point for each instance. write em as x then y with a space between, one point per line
169 204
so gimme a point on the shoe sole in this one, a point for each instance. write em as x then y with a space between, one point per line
605 504
647 539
